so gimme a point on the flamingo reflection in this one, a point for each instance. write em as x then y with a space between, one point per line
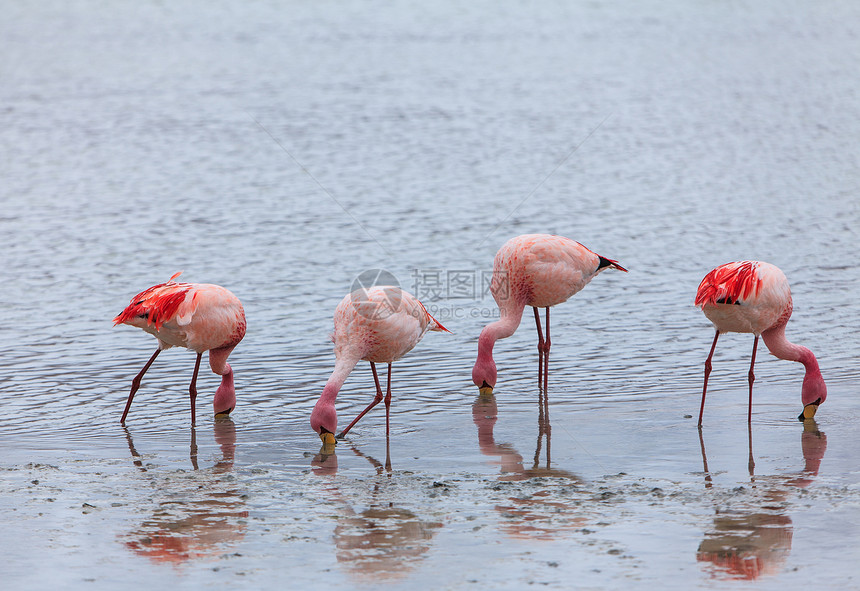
202 517
541 515
383 541
749 542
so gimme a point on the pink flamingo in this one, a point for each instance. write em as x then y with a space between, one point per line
197 316
537 270
380 325
752 296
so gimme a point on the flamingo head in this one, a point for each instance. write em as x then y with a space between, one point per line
484 375
324 422
225 397
812 394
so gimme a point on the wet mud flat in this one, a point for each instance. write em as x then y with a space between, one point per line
499 496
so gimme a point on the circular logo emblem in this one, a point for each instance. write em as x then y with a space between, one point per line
372 302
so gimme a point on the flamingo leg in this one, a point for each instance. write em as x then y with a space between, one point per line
387 413
192 390
193 449
751 463
547 428
135 384
708 483
752 378
377 399
540 347
387 402
546 345
387 456
707 373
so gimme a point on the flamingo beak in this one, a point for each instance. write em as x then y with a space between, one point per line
223 414
328 439
808 412
485 389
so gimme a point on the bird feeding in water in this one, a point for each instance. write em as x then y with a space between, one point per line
198 316
537 270
754 297
379 324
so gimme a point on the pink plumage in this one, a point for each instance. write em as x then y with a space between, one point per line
198 316
538 270
380 325
755 297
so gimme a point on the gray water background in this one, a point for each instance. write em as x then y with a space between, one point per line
280 149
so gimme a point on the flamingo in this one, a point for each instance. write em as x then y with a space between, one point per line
380 325
197 316
753 296
537 270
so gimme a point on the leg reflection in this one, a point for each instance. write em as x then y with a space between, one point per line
137 461
753 537
383 541
538 514
197 517
544 430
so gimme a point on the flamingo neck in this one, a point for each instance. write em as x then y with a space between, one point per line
342 369
484 371
324 414
814 390
500 329
218 360
779 346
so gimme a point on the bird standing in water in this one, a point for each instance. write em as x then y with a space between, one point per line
198 316
380 325
752 296
537 270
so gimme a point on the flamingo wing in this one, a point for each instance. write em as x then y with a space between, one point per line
731 283
433 323
161 303
612 263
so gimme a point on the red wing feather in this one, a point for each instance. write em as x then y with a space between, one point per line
157 305
729 284
432 319
614 264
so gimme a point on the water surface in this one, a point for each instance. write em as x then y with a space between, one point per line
281 150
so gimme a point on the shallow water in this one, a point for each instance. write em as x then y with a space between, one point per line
281 150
